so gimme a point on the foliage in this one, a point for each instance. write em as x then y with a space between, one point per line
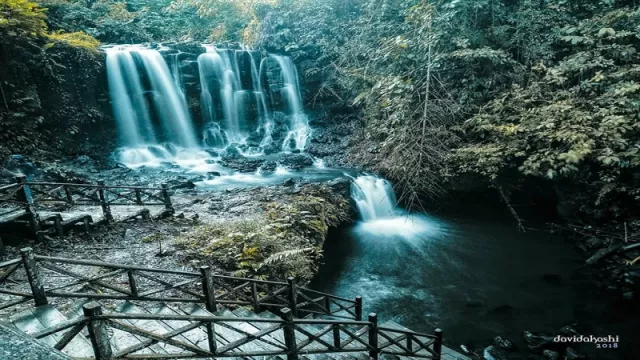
21 17
575 123
77 39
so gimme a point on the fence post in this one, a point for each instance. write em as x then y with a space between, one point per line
358 308
373 336
106 209
327 304
138 196
255 303
97 331
289 334
167 198
37 289
437 345
69 194
208 288
24 195
132 283
293 296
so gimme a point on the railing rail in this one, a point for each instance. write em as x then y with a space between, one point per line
113 281
24 197
273 337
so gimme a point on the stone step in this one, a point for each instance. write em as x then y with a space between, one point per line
44 317
279 337
121 340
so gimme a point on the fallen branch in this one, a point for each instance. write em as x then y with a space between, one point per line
602 253
6 104
513 211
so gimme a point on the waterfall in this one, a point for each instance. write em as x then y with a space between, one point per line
299 130
127 98
168 99
374 197
217 68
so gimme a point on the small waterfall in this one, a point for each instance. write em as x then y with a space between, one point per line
299 130
168 99
374 197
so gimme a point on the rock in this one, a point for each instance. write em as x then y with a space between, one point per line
502 343
593 243
177 184
129 235
83 160
493 353
340 184
551 355
289 182
212 174
572 354
628 295
538 342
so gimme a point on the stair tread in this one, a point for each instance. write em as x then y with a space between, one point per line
121 339
44 317
197 337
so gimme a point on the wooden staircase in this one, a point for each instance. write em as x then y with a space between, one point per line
115 311
39 319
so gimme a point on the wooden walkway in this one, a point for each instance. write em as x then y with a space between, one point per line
180 314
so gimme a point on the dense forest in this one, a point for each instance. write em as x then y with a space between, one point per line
448 94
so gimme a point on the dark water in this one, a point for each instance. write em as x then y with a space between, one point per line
475 279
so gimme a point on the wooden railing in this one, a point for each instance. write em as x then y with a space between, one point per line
42 277
275 336
23 197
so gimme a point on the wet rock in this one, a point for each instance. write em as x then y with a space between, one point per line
493 353
551 355
212 174
503 343
177 184
83 160
340 184
628 295
572 354
289 182
538 342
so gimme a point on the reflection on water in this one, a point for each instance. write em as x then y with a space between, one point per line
475 279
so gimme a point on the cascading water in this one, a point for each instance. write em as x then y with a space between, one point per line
380 215
299 130
169 100
374 197
217 67
127 98
147 92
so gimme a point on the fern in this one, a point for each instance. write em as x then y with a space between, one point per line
282 255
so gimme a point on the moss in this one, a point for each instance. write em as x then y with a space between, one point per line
78 39
283 238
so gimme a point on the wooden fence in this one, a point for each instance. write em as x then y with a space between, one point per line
286 336
126 282
39 278
21 199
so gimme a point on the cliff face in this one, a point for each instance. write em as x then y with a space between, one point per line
54 99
